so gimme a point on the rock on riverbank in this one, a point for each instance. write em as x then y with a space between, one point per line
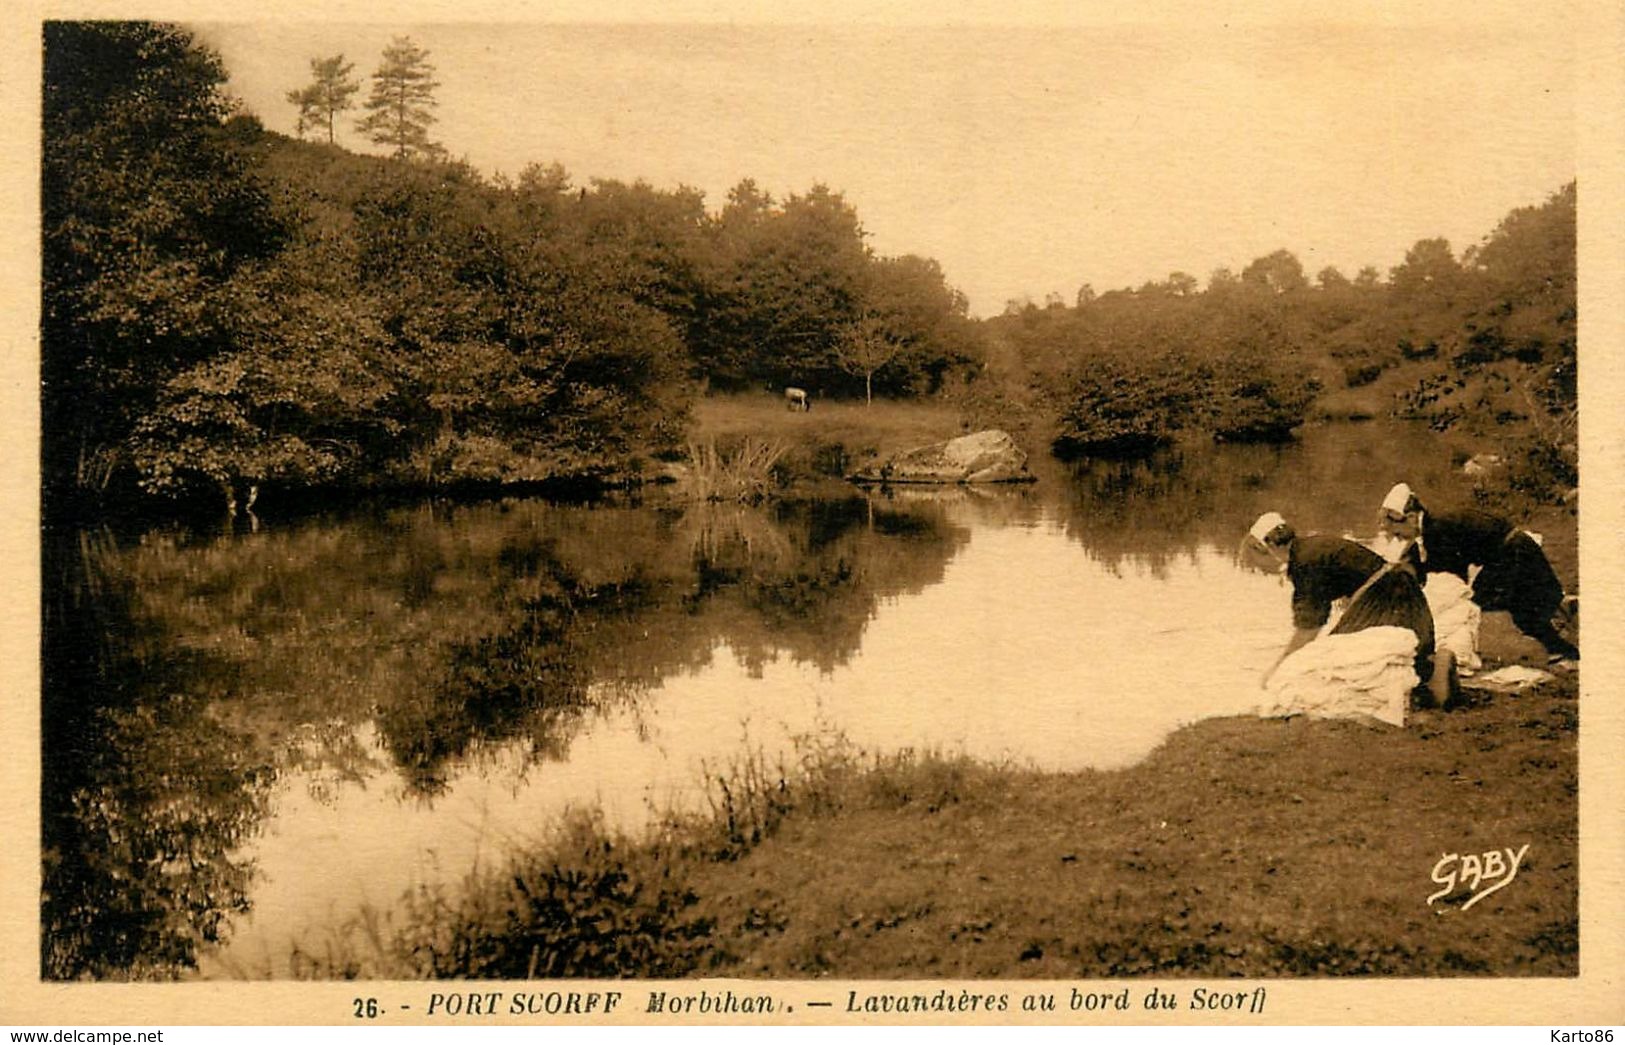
989 456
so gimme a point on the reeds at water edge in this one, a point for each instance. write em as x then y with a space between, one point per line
744 473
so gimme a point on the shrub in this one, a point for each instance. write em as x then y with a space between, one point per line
1255 399
1122 406
591 906
1129 407
1359 374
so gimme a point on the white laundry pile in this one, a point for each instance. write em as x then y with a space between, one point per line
1364 673
1455 615
1455 619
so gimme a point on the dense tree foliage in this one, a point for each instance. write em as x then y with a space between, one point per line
450 331
230 310
791 294
149 214
1129 370
227 309
1491 336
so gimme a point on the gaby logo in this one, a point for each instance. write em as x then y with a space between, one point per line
1481 873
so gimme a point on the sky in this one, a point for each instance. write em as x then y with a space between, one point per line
1028 156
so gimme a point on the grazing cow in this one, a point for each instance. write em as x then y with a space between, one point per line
796 399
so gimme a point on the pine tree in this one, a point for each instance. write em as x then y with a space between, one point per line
328 94
402 95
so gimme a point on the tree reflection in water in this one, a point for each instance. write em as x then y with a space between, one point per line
182 676
1155 511
574 634
145 797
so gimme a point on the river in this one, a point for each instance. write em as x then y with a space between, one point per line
252 736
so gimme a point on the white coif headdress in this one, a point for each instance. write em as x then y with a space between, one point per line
1399 499
1265 526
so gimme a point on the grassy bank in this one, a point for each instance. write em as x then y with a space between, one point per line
1240 847
831 440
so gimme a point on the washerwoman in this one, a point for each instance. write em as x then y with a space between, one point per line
1514 574
1380 594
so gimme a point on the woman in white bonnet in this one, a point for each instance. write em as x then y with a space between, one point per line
1515 575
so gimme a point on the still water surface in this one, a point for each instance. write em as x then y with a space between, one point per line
326 713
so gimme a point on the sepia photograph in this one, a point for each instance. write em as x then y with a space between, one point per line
740 516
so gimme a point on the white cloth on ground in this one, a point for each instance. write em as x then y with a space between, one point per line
1512 678
1364 673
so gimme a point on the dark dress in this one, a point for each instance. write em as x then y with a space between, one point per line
1515 576
1324 569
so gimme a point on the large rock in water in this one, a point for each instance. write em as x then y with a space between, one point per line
990 456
